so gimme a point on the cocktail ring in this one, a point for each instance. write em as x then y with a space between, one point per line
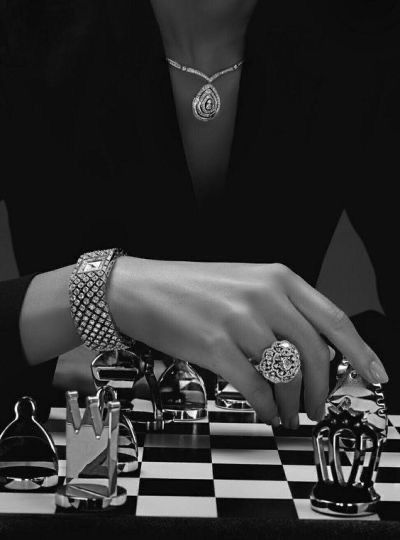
279 363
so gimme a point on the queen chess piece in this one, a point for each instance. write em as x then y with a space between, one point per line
28 457
353 431
182 392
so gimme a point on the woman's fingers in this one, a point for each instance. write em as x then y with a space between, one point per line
314 354
287 396
236 369
329 320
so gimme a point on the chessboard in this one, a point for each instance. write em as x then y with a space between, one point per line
227 465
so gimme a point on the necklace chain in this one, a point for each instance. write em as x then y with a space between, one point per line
199 73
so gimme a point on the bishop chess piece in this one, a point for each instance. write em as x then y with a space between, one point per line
347 446
228 397
28 457
182 392
91 456
121 370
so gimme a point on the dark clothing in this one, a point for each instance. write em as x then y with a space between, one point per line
94 156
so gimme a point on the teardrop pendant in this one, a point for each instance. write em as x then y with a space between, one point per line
207 103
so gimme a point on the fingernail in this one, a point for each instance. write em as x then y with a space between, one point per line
378 372
275 422
294 422
332 353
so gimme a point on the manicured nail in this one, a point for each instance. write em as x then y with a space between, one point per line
332 353
294 422
378 372
275 422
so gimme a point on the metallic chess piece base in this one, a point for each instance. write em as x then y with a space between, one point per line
14 483
333 500
89 497
189 415
224 402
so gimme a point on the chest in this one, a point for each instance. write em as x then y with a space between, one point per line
206 144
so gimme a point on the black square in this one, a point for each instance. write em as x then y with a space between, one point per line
191 455
242 442
301 490
225 471
176 487
257 508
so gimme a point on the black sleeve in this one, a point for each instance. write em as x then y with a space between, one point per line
17 377
373 206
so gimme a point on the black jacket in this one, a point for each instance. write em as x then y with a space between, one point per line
93 156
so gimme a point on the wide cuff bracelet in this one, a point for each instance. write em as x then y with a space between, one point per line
89 308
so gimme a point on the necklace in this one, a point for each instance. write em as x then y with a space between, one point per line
207 103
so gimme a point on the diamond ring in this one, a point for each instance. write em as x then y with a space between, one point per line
279 363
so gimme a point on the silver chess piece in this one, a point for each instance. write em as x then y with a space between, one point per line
91 455
121 370
127 460
28 457
355 427
182 392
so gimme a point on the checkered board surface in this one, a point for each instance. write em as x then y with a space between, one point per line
227 465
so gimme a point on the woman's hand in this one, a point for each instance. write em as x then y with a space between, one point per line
217 315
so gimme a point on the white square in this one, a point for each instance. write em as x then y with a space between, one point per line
390 459
395 419
245 456
27 503
176 506
252 489
300 473
240 429
388 491
130 484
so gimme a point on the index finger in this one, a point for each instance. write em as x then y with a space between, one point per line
331 321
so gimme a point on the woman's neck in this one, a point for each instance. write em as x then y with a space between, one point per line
205 34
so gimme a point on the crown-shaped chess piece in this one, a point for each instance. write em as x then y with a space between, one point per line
121 370
91 455
354 429
28 457
127 460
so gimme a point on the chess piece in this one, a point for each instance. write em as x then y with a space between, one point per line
355 427
182 392
28 457
121 370
127 460
91 455
227 397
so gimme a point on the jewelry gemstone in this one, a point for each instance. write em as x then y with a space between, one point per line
207 103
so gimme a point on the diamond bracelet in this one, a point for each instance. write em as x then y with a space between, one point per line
89 308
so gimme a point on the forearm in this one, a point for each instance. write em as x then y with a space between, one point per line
46 326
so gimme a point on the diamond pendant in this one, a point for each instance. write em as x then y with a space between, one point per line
207 103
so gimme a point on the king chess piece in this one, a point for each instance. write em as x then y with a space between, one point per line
182 393
91 456
28 457
347 446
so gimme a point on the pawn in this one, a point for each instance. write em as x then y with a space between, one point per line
28 458
182 392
